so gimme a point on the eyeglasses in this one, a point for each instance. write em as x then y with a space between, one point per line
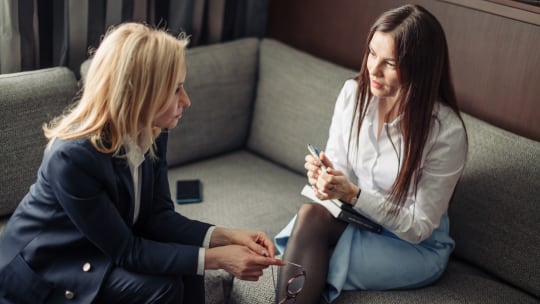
294 284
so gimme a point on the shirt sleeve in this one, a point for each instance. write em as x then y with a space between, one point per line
202 251
444 160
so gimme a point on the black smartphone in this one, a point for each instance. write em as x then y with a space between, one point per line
188 191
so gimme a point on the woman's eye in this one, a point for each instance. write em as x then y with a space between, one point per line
178 88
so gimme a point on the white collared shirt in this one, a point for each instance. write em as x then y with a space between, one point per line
135 158
375 165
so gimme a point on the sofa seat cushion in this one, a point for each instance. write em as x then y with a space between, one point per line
459 284
242 190
259 292
218 285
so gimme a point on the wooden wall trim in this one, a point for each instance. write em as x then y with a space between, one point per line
505 8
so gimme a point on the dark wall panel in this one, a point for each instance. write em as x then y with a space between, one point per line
495 59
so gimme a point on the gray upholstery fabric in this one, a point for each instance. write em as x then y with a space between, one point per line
221 84
459 284
259 292
495 216
28 100
295 100
241 190
218 284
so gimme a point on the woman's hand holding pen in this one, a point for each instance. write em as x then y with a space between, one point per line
327 182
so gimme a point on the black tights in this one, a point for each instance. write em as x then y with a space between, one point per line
314 236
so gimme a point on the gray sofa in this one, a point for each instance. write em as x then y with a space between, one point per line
255 105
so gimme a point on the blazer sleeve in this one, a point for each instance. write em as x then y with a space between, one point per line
81 179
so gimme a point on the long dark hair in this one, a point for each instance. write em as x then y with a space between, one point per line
424 74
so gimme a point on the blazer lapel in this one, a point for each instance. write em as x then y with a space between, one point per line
147 178
125 186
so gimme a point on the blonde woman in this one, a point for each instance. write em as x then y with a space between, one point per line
99 224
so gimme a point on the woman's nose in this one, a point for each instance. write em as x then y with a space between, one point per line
376 69
185 101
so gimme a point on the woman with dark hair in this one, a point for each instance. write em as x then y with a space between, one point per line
396 149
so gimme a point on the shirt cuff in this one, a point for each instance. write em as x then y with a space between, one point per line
200 265
208 236
202 251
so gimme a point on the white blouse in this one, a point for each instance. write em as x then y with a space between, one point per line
135 158
374 166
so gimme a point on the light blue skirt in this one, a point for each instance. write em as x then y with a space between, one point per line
363 260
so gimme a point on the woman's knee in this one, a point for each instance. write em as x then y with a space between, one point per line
315 218
314 214
312 218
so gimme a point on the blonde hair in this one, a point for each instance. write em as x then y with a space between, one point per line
132 76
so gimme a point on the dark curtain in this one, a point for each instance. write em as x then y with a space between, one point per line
45 33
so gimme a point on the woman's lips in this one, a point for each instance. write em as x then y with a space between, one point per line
376 84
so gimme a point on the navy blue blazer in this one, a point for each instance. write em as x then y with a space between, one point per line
76 223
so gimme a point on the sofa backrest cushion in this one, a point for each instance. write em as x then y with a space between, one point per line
28 100
296 94
220 82
495 212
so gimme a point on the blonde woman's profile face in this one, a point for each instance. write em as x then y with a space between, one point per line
168 116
